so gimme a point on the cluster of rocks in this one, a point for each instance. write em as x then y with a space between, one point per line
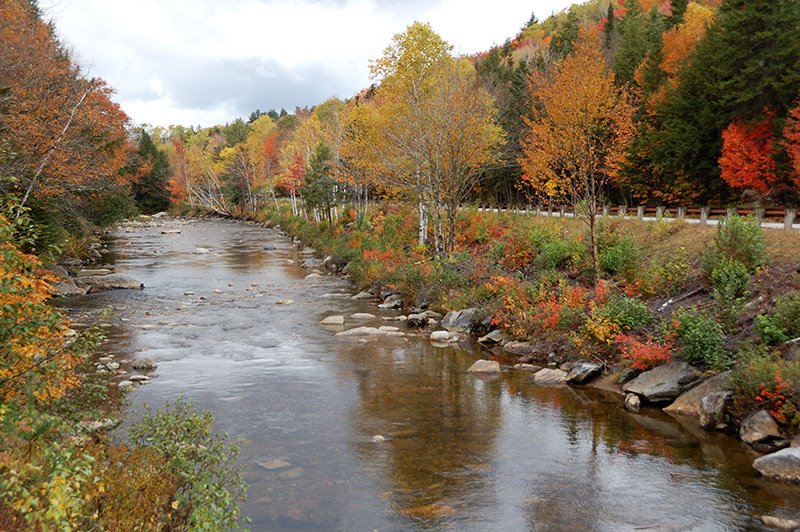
106 364
83 281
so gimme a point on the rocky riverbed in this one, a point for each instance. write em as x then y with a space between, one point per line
354 414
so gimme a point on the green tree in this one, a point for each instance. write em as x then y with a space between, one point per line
320 190
748 61
640 33
150 190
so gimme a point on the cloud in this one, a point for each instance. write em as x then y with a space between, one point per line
205 61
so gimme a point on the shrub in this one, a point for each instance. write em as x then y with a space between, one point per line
666 276
644 354
627 312
740 239
620 256
784 322
210 483
729 280
699 338
560 253
762 380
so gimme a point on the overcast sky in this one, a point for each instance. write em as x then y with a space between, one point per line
203 62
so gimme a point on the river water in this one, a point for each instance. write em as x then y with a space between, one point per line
459 452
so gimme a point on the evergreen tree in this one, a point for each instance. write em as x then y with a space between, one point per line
749 61
640 33
150 191
677 10
320 190
563 42
611 25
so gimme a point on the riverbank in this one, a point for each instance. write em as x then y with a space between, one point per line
455 449
62 395
677 305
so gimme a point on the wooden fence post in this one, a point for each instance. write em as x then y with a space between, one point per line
788 218
660 213
622 211
605 211
681 213
704 215
640 212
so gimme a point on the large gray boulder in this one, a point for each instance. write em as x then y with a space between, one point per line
460 320
67 287
392 301
547 377
97 283
310 262
663 383
758 426
689 403
783 465
417 320
584 371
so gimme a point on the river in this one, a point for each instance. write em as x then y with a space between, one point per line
459 452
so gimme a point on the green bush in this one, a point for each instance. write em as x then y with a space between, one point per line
740 239
628 313
700 338
729 280
784 322
210 483
560 253
620 256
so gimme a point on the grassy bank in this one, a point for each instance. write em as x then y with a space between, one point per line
725 298
60 467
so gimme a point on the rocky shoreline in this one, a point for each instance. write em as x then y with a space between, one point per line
677 388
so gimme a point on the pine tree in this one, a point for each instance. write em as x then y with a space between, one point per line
150 190
677 10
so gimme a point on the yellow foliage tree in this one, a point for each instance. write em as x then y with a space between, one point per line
582 124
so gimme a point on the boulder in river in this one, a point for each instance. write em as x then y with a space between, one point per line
547 376
757 427
527 367
518 348
362 316
780 523
310 262
632 402
67 287
783 465
663 383
584 371
93 271
362 295
417 320
201 251
359 331
144 364
440 336
714 410
392 301
333 320
114 281
496 336
689 403
485 367
460 320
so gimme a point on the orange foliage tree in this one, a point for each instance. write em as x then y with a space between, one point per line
791 143
576 141
747 160
63 135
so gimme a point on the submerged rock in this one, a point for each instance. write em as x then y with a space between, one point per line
527 367
496 336
362 316
144 364
201 251
757 427
333 320
362 295
584 371
273 465
485 367
783 465
359 331
549 377
663 383
114 281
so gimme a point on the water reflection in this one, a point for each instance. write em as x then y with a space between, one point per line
459 451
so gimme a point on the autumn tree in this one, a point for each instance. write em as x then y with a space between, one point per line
581 127
427 132
791 143
748 152
65 138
